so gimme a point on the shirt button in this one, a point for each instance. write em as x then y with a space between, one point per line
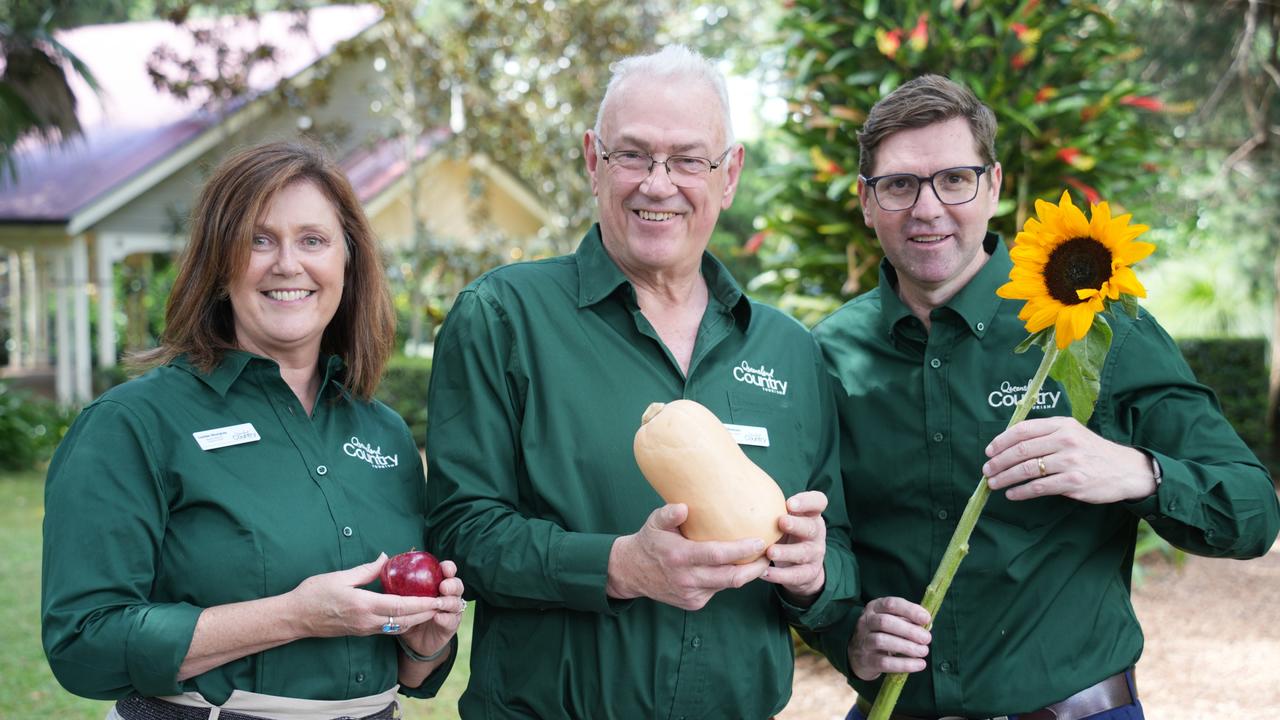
935 363
981 327
937 437
346 531
359 677
942 514
945 666
322 470
696 643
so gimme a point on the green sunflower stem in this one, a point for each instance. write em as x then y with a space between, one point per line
891 688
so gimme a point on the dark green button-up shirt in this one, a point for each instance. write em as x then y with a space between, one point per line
1040 608
143 529
542 372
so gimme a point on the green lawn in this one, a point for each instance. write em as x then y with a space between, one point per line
27 687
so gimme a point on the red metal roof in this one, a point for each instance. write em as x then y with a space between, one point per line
133 125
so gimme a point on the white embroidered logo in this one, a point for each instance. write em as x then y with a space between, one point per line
370 454
760 377
1009 395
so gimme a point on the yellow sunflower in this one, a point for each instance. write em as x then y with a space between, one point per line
1066 265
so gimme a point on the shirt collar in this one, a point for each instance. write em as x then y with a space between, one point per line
233 363
599 276
976 302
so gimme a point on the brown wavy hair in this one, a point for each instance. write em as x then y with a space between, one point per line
198 316
921 102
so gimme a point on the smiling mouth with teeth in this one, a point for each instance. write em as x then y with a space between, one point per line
288 295
656 216
928 238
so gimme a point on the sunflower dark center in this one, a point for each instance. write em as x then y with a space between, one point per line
1076 264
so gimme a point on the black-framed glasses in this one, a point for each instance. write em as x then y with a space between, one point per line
683 170
901 191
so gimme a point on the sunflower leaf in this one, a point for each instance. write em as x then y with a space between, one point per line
1130 304
1079 368
1040 339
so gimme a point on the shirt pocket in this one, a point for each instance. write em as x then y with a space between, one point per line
1034 514
784 459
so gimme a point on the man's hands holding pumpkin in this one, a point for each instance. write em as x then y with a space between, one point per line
658 562
798 556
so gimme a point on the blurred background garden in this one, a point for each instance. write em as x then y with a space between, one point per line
460 125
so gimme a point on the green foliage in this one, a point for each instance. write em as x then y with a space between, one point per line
1054 73
404 389
30 428
1236 369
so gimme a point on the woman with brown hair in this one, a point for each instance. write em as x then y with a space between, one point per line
209 526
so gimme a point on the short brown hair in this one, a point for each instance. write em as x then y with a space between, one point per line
198 316
921 102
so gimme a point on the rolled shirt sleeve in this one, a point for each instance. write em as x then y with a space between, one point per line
104 639
477 384
1216 498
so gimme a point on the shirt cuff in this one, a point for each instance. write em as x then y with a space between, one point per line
833 641
582 571
432 683
1173 498
157 644
834 600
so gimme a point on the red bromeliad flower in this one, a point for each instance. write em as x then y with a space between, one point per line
919 38
1092 195
888 42
1144 102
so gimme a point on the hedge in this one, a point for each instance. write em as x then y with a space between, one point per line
1236 369
404 389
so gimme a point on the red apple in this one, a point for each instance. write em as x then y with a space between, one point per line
412 573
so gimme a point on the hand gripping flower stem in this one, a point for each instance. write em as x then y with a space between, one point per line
887 698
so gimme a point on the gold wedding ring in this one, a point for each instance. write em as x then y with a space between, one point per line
1040 462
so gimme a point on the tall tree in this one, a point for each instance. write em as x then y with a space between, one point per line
36 100
1223 59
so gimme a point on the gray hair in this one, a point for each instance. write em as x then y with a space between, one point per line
672 62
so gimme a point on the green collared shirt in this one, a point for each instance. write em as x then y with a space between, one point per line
1040 608
143 528
542 372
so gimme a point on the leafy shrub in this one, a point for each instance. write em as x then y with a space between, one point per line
30 428
404 389
1236 369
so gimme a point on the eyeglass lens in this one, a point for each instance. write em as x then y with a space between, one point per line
954 186
682 169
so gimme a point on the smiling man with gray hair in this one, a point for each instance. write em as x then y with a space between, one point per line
591 604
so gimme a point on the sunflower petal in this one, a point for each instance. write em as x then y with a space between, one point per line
1081 318
1125 281
1131 252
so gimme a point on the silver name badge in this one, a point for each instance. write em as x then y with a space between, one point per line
749 435
226 436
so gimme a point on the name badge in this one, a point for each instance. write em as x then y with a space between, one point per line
226 436
749 435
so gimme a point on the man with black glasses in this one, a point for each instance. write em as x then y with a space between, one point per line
1038 623
591 604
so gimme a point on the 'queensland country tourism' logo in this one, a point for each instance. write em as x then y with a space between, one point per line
1010 395
370 454
759 377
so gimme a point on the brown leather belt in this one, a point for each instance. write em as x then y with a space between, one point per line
1106 695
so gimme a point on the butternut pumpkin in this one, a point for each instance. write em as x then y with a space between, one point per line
689 457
